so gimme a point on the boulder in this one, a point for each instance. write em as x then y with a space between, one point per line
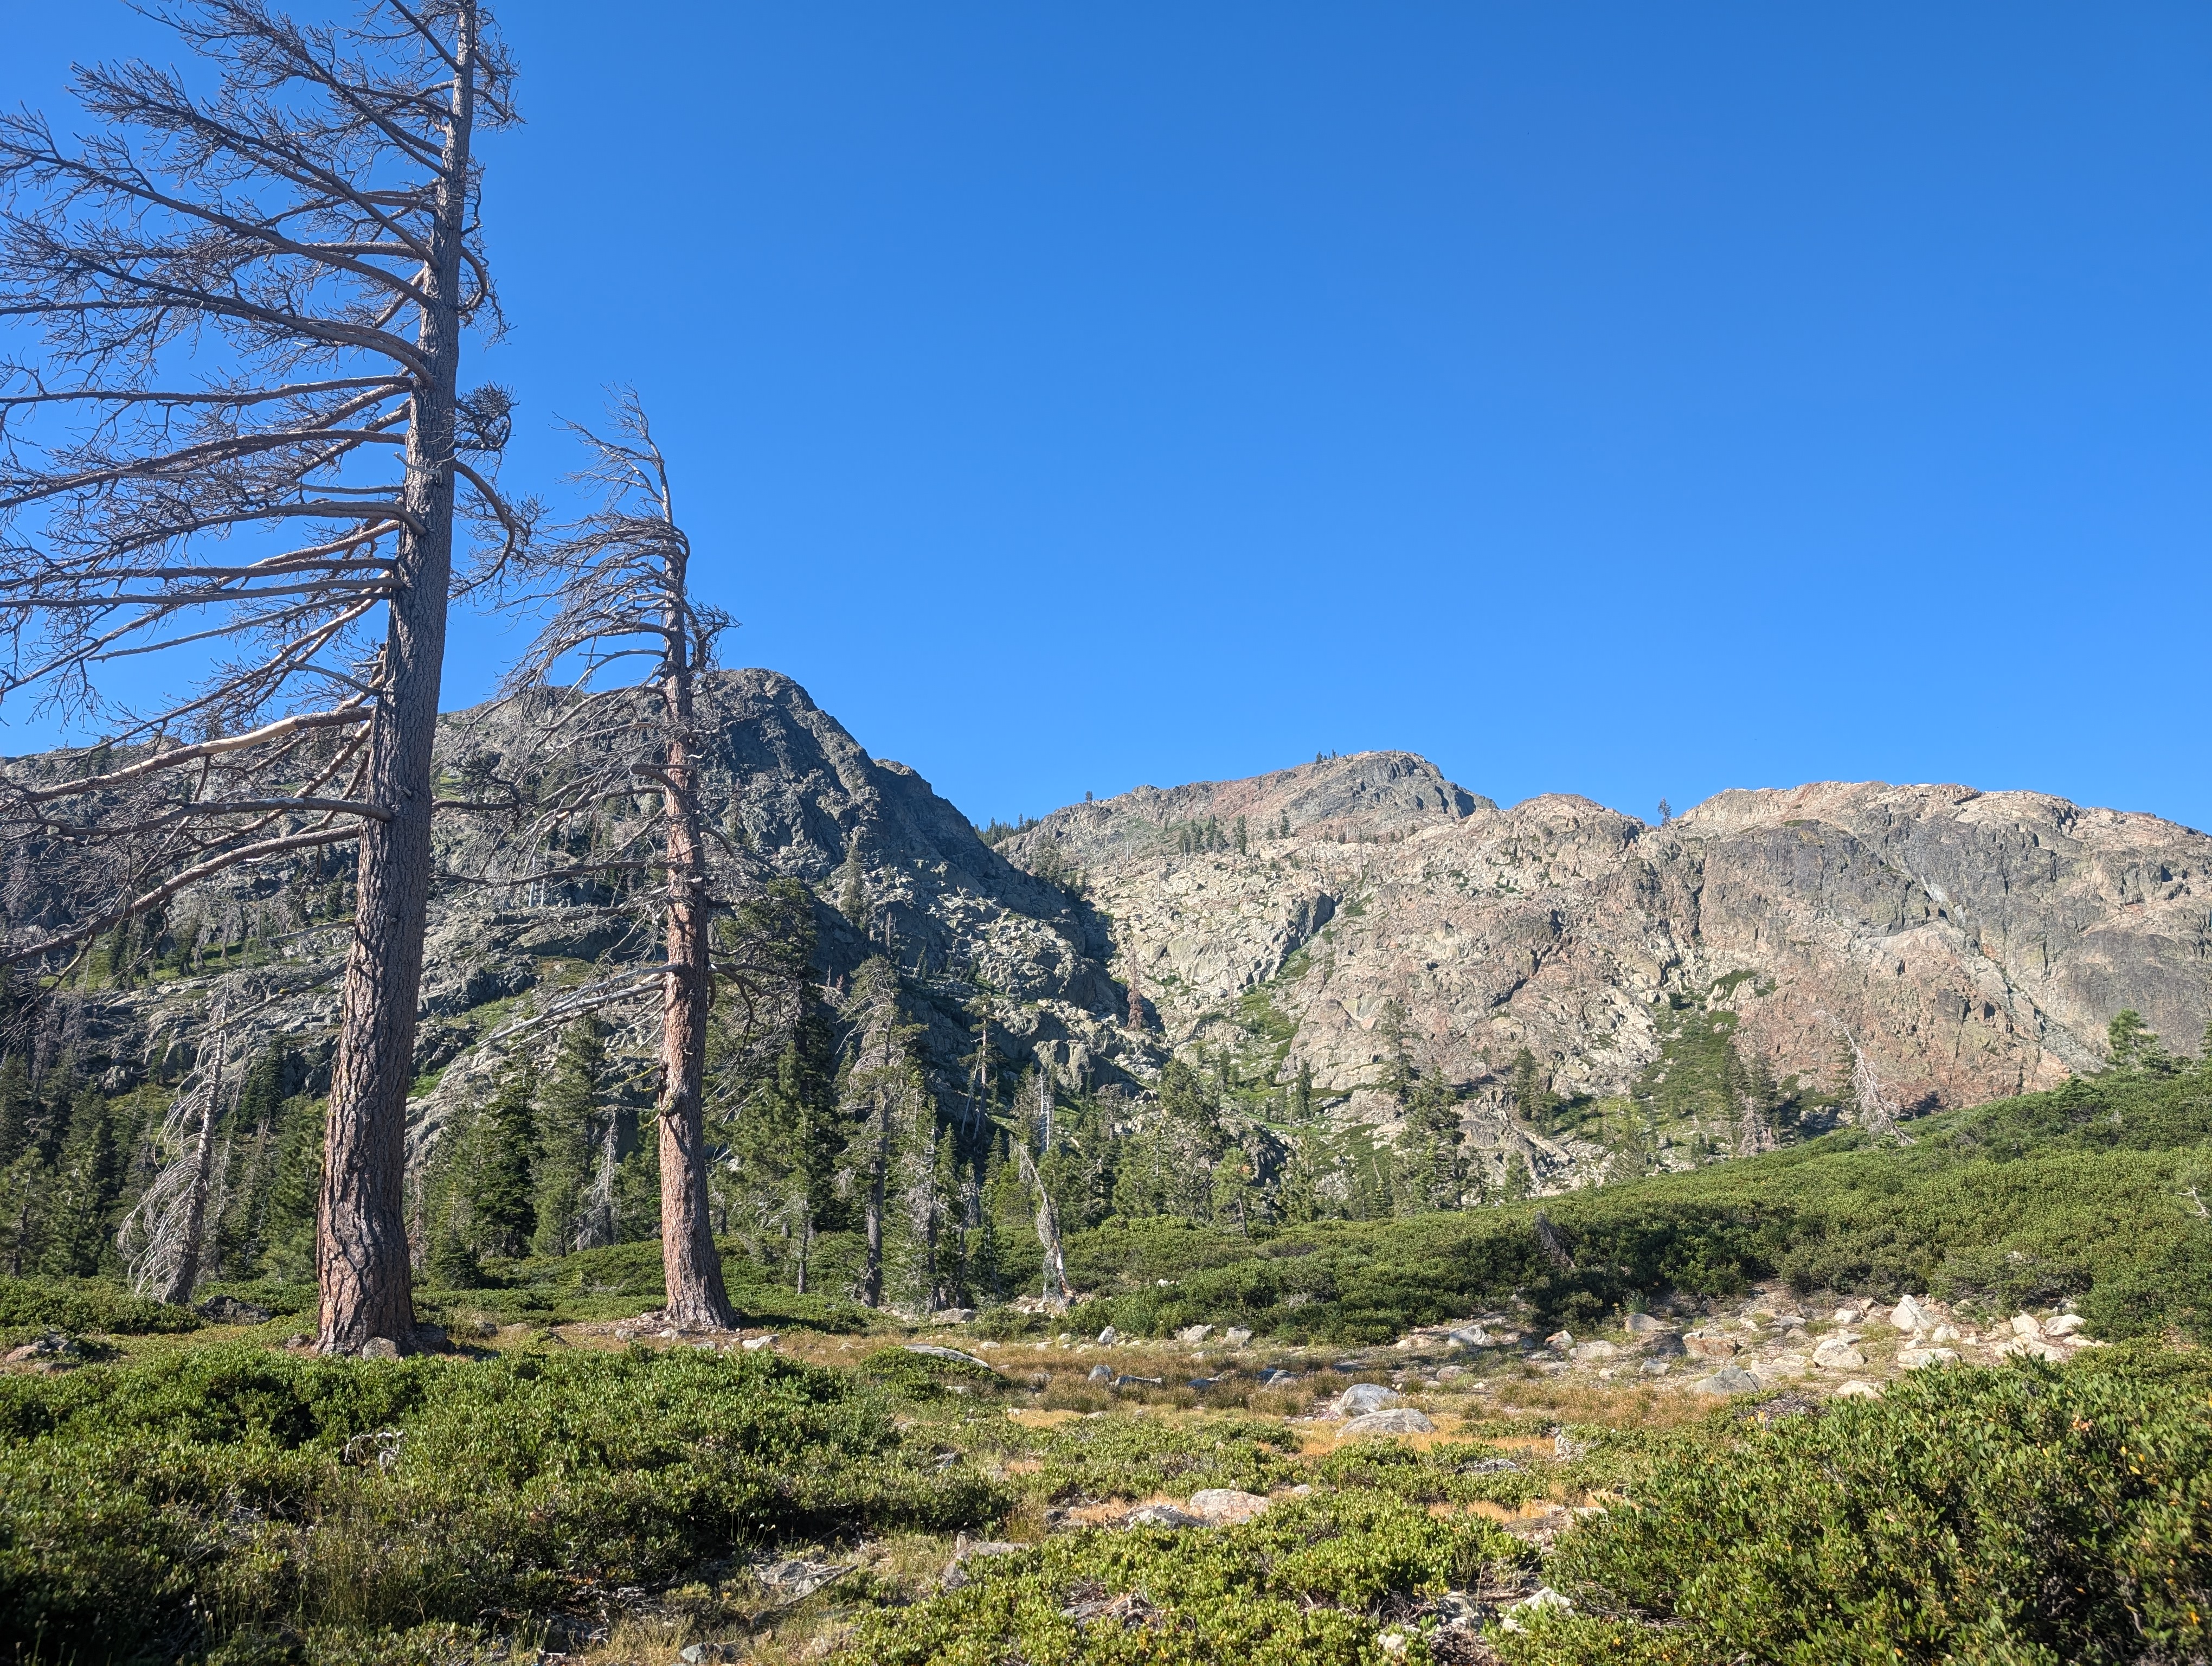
1837 1354
380 1348
1109 1336
1560 1341
1471 1336
2024 1347
1656 1367
1237 1337
2027 1325
2066 1324
1943 1333
1399 1421
1920 1359
1101 1374
1643 1324
1511 1615
935 1352
1194 1334
1909 1315
1587 1352
1710 1346
754 1344
1160 1515
1729 1379
1362 1398
1857 1389
1849 1315
952 1316
1224 1506
229 1310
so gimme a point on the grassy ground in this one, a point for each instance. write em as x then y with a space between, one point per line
598 1489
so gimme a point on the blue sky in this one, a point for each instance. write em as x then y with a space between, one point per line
1613 399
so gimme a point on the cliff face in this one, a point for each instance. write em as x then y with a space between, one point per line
1974 944
1377 916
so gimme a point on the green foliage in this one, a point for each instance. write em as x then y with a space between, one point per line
2086 1191
1305 1582
1981 1516
927 1376
1134 1457
151 1509
80 1305
575 1140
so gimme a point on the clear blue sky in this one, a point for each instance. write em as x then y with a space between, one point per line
1614 399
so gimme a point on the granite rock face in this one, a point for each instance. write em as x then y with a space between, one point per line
1357 913
1974 944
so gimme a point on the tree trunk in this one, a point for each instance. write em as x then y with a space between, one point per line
1047 1232
360 1236
871 1275
179 1291
689 1260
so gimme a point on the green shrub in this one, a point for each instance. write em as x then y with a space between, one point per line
1131 1458
2026 1515
1307 1584
88 1304
149 1510
928 1376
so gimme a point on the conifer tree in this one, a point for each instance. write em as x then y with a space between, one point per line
84 1190
571 1134
14 1108
503 1209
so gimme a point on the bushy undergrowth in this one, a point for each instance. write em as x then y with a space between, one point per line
2027 1516
1131 1458
2084 1192
148 1511
80 1305
1304 1585
619 1279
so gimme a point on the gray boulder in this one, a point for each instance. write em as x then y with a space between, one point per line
1399 1421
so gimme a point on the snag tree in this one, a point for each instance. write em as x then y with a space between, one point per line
232 440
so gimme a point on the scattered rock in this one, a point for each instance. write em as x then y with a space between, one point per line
1706 1345
1109 1336
710 1653
1399 1421
1909 1315
1560 1339
1656 1367
1236 1336
1729 1379
1586 1351
952 1316
55 1347
1837 1354
1944 1333
754 1344
1101 1374
1918 1358
2066 1324
1643 1324
2027 1325
1193 1335
955 1576
1511 1615
1857 1390
1224 1506
936 1353
380 1348
1272 1378
1362 1398
229 1310
1139 1382
2022 1348
1160 1515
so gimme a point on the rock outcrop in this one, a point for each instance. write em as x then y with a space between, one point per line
1349 921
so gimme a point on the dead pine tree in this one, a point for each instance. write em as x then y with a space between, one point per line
1877 1112
1057 1293
162 1237
616 586
240 448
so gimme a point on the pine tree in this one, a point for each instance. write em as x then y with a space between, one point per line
1241 849
502 1208
14 1108
84 1190
853 900
571 1134
1284 831
1532 1100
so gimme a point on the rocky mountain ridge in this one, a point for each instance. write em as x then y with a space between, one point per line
1347 921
